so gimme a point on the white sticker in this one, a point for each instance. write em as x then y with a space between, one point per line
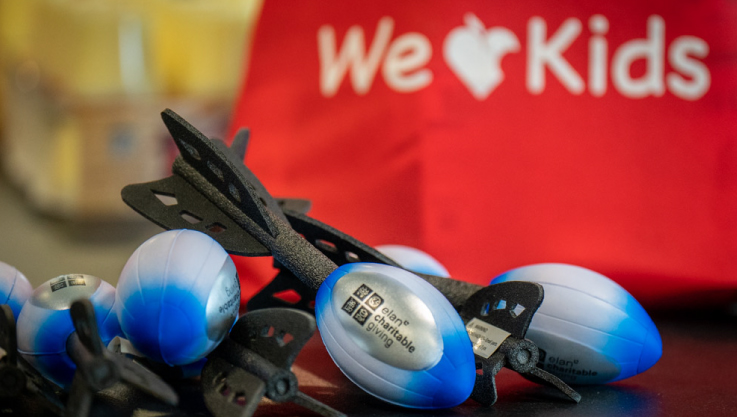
485 337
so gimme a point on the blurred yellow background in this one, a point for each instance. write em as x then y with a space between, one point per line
82 84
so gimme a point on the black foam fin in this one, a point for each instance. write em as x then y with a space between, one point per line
543 377
219 169
277 334
255 360
284 283
240 143
247 175
98 368
298 205
509 306
484 390
230 391
173 203
340 247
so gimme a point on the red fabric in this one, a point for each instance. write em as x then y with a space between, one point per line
640 186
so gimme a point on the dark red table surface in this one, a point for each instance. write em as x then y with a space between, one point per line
697 375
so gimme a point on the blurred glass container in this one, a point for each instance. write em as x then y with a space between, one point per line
84 81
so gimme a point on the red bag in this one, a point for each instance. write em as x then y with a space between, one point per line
499 134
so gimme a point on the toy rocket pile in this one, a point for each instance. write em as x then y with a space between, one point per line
391 319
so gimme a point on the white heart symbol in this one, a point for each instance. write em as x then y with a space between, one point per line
474 54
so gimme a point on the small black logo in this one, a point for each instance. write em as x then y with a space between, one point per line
350 305
362 292
362 315
375 301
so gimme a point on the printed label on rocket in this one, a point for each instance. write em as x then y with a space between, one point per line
65 289
485 337
387 320
222 305
572 362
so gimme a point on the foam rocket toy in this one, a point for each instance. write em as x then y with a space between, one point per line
214 192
